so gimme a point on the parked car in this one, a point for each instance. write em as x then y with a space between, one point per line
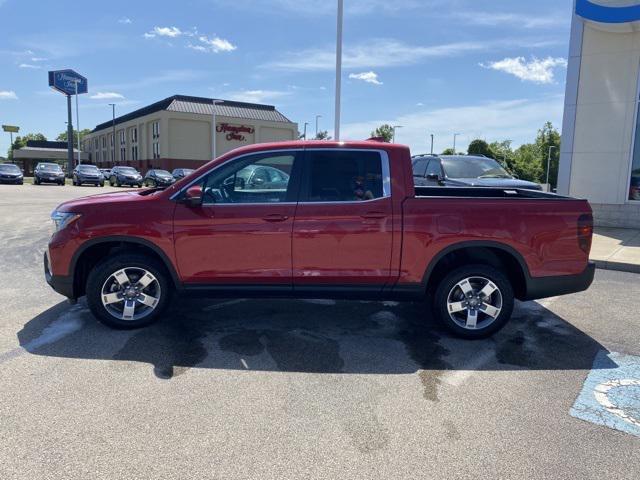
125 176
11 173
106 172
158 178
48 173
256 177
459 170
85 173
180 173
634 191
348 223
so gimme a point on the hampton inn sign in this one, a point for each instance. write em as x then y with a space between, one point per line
234 132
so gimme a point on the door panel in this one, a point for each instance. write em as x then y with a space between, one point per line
343 230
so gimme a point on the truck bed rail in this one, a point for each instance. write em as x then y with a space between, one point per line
486 192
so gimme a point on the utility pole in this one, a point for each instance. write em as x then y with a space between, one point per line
69 137
304 135
432 144
455 136
78 121
393 139
549 164
317 117
113 140
336 133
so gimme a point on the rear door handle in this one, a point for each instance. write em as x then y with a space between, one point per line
374 216
275 217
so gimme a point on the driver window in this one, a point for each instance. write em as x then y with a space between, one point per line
253 179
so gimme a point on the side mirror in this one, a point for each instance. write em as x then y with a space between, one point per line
193 196
434 176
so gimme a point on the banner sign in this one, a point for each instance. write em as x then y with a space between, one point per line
234 132
65 81
10 128
598 12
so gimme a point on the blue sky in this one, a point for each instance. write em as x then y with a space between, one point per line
493 69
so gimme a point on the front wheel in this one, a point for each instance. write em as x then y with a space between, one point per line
128 291
474 301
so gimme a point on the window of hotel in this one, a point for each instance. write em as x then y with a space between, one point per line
134 135
122 138
156 150
123 154
111 140
134 152
104 142
156 129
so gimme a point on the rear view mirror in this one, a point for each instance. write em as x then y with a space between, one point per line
193 196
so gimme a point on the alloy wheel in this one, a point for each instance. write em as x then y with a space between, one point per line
474 303
131 293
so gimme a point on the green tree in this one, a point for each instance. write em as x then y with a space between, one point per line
548 137
527 163
384 131
448 151
63 136
503 153
480 147
21 141
323 135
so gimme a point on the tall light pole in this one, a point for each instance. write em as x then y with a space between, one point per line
113 140
393 139
455 136
317 117
549 163
304 135
338 69
214 145
432 144
78 120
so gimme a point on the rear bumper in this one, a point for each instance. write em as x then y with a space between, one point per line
544 287
60 283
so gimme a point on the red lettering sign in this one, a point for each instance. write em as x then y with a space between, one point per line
234 132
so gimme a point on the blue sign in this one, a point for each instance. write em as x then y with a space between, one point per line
607 14
65 82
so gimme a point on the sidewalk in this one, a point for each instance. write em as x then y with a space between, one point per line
616 249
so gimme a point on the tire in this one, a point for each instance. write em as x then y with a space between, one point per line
118 184
36 181
102 277
465 310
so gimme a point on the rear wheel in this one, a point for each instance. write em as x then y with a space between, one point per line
474 301
128 291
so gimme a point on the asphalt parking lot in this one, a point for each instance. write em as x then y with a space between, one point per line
304 389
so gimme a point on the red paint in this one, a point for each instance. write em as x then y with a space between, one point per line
382 242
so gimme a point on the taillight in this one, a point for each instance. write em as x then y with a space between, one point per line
585 232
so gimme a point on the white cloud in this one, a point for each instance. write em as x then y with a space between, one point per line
536 70
213 44
368 77
8 95
257 96
315 8
381 53
29 65
488 19
38 59
167 31
125 21
107 96
516 120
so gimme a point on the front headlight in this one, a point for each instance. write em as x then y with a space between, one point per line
63 219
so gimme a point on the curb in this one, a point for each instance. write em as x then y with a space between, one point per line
617 266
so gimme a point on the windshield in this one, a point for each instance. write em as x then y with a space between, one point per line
163 173
473 167
128 170
184 171
50 167
9 168
88 168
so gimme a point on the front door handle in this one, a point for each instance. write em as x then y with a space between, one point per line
275 217
374 216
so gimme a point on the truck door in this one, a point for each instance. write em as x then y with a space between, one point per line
241 234
343 228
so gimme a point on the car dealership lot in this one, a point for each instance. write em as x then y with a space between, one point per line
291 389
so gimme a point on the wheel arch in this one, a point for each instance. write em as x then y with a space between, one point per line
491 253
92 251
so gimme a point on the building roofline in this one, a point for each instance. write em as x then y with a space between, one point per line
165 103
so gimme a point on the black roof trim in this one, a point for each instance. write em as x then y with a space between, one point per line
46 144
164 104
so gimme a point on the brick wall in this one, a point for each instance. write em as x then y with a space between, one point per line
622 216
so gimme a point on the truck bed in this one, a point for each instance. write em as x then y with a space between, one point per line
486 192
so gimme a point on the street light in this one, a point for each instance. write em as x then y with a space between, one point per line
432 144
113 140
77 119
317 117
549 164
214 146
393 140
338 68
455 135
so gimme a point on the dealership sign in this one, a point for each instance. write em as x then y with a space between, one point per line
65 81
10 128
598 12
235 132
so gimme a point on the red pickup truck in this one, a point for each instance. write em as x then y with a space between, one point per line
318 220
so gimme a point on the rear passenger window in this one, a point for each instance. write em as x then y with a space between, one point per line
344 176
420 167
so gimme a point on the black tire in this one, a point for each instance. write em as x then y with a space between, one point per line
36 181
447 285
101 273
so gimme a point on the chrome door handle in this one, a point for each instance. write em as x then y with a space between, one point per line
374 216
276 217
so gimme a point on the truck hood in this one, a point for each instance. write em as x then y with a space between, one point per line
80 204
493 182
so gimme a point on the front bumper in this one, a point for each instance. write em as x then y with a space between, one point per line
60 283
51 179
92 181
544 287
130 181
12 180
